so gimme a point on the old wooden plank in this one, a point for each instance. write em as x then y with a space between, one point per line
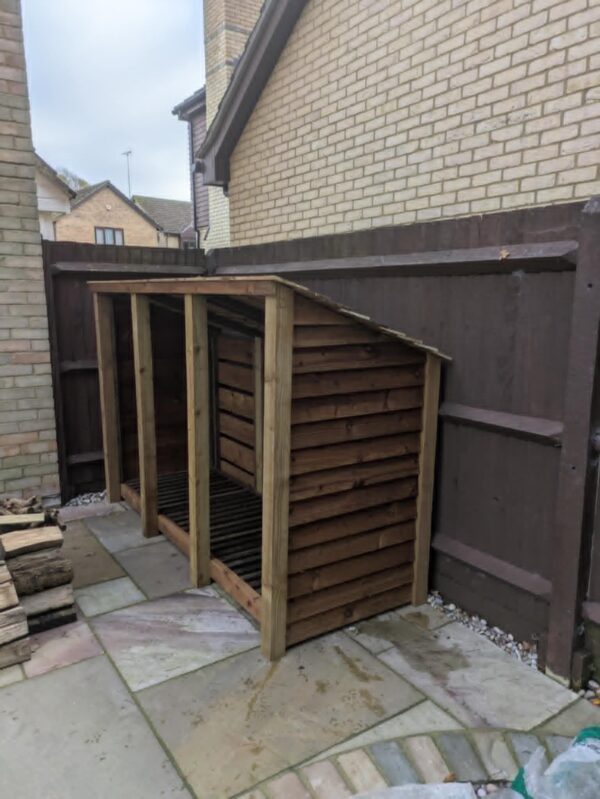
335 335
50 599
238 474
330 359
236 349
341 527
16 521
308 312
317 409
347 478
37 571
235 452
348 614
318 434
236 402
350 547
21 541
239 429
233 375
350 569
109 401
426 478
330 383
279 321
338 504
8 596
15 652
342 595
198 426
237 588
144 392
258 412
228 286
333 456
13 625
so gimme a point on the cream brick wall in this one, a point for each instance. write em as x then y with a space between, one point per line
394 111
27 433
227 25
106 209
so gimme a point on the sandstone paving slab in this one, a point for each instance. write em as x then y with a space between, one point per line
557 744
495 754
460 756
236 723
288 786
11 675
427 758
326 782
60 647
570 721
450 791
423 616
524 746
91 562
476 681
164 638
360 771
158 570
422 718
104 597
77 733
120 531
393 763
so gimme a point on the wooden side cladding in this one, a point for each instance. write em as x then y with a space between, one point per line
239 393
357 412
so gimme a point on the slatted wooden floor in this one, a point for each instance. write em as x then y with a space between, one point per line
235 519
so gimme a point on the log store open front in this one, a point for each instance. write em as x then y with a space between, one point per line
284 443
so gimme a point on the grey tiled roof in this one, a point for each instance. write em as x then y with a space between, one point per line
172 215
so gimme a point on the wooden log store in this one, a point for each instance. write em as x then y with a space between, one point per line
284 443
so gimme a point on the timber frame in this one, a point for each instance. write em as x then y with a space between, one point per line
339 415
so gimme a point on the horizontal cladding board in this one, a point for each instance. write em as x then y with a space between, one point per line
354 428
351 569
360 381
347 614
350 547
235 376
307 312
236 428
350 524
341 595
363 451
238 350
238 474
317 409
237 453
347 478
236 402
332 335
329 359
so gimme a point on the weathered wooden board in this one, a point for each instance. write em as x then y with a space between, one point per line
51 599
335 335
16 521
22 541
237 453
360 404
363 451
319 434
15 652
13 625
236 402
344 382
365 356
37 571
232 375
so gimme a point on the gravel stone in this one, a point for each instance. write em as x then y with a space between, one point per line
86 499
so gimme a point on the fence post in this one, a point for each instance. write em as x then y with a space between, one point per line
572 524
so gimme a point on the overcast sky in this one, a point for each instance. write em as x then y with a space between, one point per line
104 76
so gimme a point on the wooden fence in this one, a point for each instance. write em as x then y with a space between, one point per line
514 299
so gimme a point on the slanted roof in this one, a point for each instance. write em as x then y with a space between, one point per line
193 104
89 191
173 216
53 175
263 48
252 287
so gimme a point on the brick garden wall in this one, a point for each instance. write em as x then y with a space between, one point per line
27 433
385 112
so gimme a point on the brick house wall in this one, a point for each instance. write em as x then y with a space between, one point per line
27 432
395 112
106 209
227 25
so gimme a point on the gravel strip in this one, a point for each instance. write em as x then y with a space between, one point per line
86 499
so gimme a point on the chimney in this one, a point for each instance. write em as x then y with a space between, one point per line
227 26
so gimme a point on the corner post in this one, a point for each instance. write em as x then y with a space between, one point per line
572 528
258 413
144 395
198 426
429 424
109 398
279 328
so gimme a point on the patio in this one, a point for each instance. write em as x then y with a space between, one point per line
160 690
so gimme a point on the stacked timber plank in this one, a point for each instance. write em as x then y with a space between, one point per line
14 633
41 574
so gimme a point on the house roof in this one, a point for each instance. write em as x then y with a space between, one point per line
251 288
89 191
53 175
173 216
263 48
192 104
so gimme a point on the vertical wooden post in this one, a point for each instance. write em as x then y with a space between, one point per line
144 394
109 403
429 423
279 328
258 413
198 425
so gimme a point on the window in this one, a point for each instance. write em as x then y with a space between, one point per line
109 235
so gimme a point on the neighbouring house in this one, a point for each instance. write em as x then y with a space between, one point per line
175 218
354 115
27 424
101 214
193 111
53 197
